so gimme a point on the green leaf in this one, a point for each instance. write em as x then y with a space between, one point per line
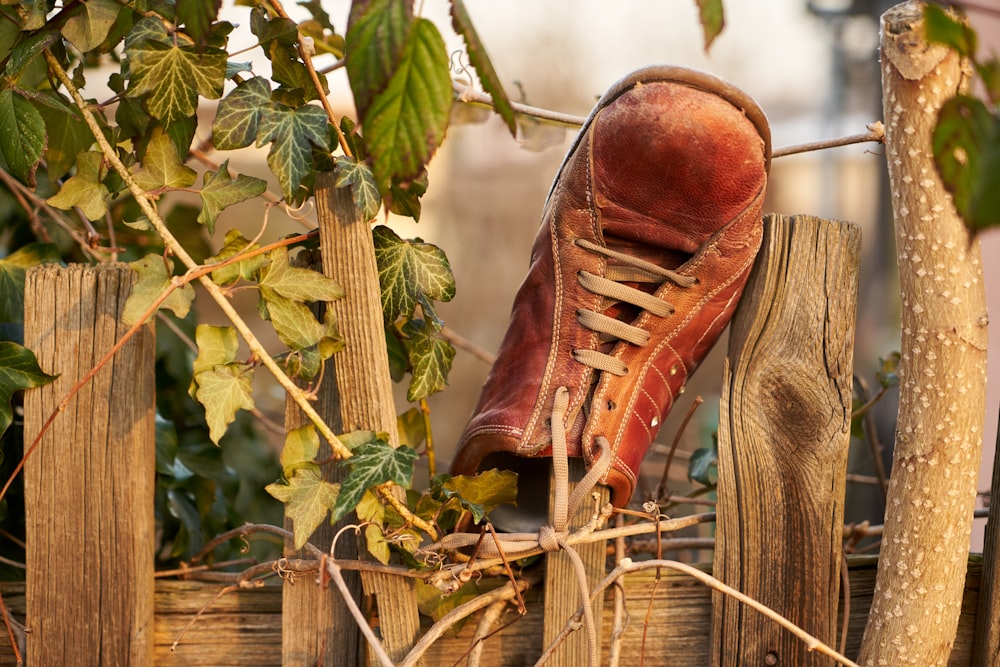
324 40
85 189
68 135
90 23
197 17
430 360
216 346
480 60
268 30
888 373
28 51
292 132
246 269
432 602
292 74
407 121
482 493
375 40
308 499
224 390
238 117
221 190
943 27
300 449
297 283
13 268
408 270
174 76
22 140
32 13
857 420
412 428
404 196
702 467
966 145
149 29
373 464
162 166
293 321
364 192
355 439
154 280
18 370
713 20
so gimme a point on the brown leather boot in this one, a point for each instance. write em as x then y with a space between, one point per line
647 238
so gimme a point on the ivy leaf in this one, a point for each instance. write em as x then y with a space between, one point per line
430 359
407 121
268 30
238 117
359 177
13 268
234 244
308 499
482 493
84 189
944 28
291 132
433 603
174 76
966 145
703 462
216 345
888 373
412 428
162 166
293 321
376 544
408 270
300 449
32 13
292 74
154 280
224 390
197 17
376 36
373 464
68 135
297 283
90 23
713 20
23 138
18 370
221 190
480 60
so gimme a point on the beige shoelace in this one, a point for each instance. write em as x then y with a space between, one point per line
610 286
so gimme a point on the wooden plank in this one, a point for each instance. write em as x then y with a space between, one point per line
88 488
362 372
783 437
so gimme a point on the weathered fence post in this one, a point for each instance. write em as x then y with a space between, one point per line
88 487
362 372
783 437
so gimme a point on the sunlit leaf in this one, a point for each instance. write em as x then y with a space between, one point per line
293 321
308 499
375 40
408 270
357 176
18 370
297 283
430 360
84 189
238 118
90 22
235 244
300 449
292 133
224 390
480 60
13 268
216 345
376 544
432 602
482 493
373 464
942 27
221 190
154 280
174 76
22 140
713 20
412 428
161 165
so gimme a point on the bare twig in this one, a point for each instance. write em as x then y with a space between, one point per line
618 619
875 133
661 490
464 343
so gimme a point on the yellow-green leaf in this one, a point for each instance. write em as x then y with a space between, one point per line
84 189
297 283
308 499
90 23
713 20
482 493
224 390
154 280
162 166
173 76
216 345
300 449
376 544
235 244
220 190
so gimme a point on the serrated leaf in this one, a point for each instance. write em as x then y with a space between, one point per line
161 165
703 461
154 280
238 117
942 27
300 449
482 493
408 270
197 17
713 20
372 464
412 428
430 360
221 190
357 176
13 268
375 40
308 499
224 390
966 146
407 121
480 60
234 244
292 133
22 140
84 188
18 370
174 76
90 23
297 283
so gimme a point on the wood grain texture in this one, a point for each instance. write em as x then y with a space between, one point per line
89 485
362 374
783 438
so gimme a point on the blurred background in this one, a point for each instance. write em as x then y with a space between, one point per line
811 64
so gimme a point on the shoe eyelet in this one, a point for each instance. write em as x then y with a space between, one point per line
611 406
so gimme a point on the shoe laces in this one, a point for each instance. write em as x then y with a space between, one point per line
612 287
